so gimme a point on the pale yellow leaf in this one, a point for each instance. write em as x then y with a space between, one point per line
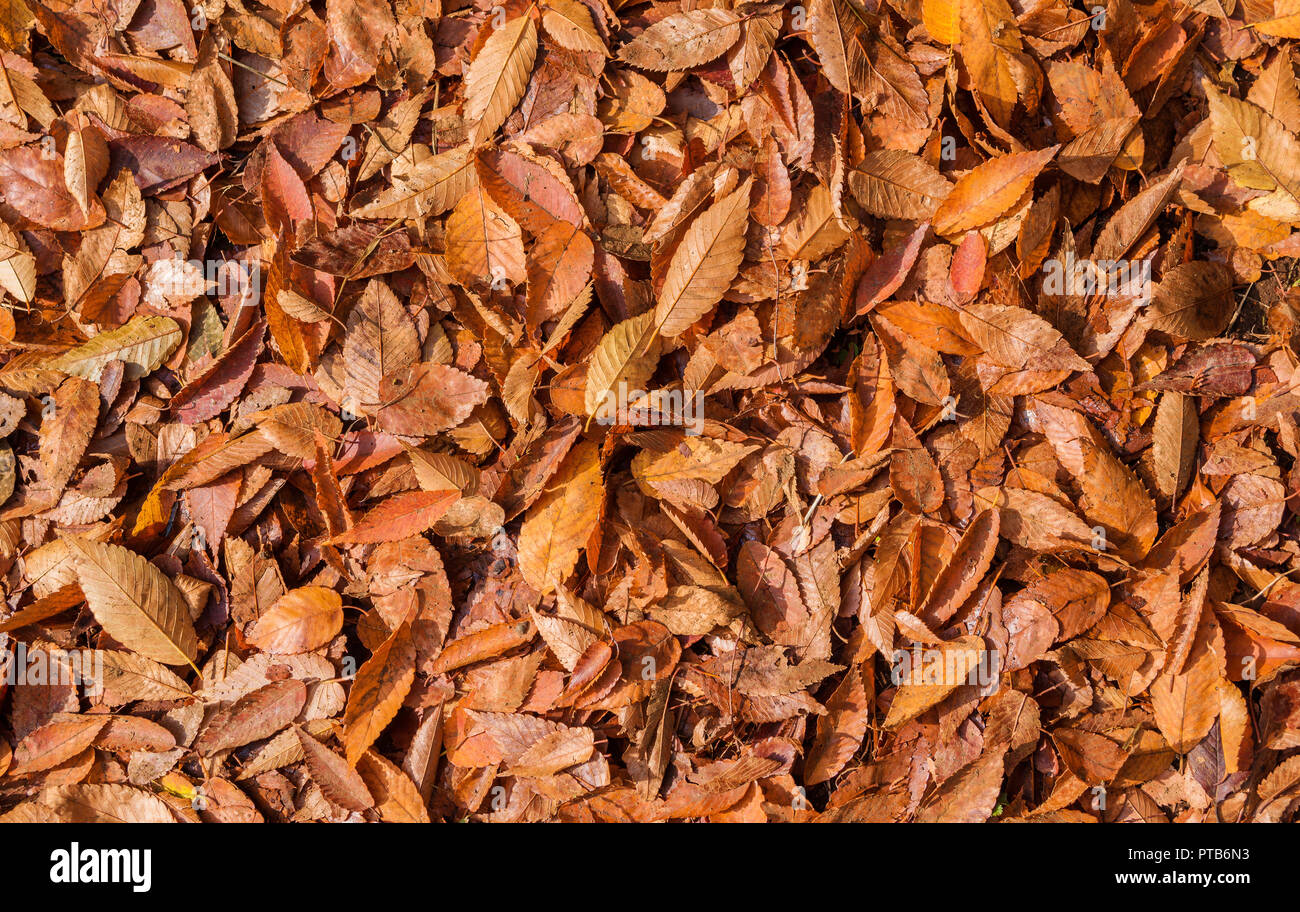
134 601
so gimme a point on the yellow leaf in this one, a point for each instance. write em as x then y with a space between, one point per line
134 601
558 525
704 263
431 188
1186 705
987 191
988 35
942 20
496 80
300 621
1285 22
484 245
17 265
143 344
625 358
569 23
377 693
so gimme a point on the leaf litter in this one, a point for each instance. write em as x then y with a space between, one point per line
722 411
